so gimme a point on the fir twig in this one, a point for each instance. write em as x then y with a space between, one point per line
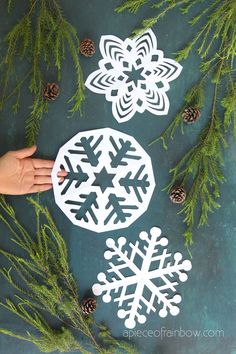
199 170
40 38
201 165
47 286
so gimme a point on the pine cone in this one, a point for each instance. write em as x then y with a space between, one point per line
190 115
89 306
177 195
87 47
51 91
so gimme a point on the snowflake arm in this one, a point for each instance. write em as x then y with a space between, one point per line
84 207
118 209
72 176
101 81
88 149
117 158
145 44
136 183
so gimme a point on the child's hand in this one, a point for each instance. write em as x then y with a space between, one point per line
21 174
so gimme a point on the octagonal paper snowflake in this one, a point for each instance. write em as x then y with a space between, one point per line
142 276
133 75
110 180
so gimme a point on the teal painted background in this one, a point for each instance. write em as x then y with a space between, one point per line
209 295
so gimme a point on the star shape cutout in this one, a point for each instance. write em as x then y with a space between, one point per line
103 179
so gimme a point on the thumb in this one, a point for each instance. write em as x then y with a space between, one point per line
26 152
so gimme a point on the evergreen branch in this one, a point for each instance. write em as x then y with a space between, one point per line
132 5
215 42
38 109
40 37
194 97
202 165
113 344
48 287
14 335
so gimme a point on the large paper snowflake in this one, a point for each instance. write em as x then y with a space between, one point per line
109 183
134 76
144 276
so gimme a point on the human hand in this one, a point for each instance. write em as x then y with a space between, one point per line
21 174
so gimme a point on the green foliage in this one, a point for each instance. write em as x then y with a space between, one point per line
44 284
40 39
194 98
229 105
199 170
132 5
115 346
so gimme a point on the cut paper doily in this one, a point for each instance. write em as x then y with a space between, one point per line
110 180
142 277
134 75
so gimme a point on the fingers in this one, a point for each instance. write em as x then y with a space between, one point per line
40 188
62 174
23 153
27 152
43 176
45 173
40 163
48 171
42 180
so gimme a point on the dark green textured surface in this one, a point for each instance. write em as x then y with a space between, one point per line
209 295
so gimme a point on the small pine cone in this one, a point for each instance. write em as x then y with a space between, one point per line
190 115
177 195
89 306
87 47
51 91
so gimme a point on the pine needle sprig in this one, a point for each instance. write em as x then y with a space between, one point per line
199 171
132 5
39 39
195 98
44 285
105 335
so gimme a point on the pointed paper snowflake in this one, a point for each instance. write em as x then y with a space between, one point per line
143 277
134 75
109 183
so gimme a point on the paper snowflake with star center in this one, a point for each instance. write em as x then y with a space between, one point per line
110 180
134 75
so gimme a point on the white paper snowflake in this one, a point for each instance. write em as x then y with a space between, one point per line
133 75
144 276
109 183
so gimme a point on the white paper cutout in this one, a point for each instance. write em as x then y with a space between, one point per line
110 180
149 285
133 75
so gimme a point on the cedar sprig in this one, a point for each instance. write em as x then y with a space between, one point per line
199 171
131 5
195 98
44 285
40 39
